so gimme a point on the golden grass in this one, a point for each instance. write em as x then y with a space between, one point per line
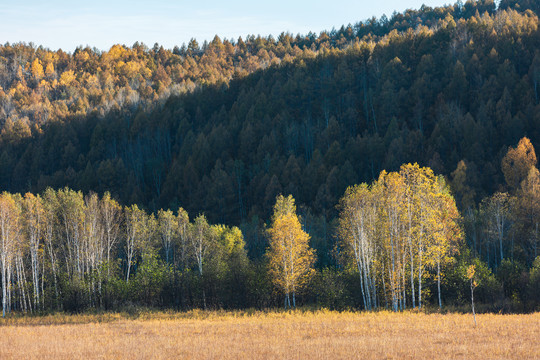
272 335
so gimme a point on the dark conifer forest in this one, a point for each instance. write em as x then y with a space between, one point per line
119 166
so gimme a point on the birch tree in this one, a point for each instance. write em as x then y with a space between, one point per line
498 215
94 242
183 235
20 251
134 224
111 215
167 227
202 239
357 229
291 258
9 231
391 196
447 234
471 276
71 214
412 178
50 205
426 220
34 214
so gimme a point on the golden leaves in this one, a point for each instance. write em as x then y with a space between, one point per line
67 78
517 162
404 221
291 258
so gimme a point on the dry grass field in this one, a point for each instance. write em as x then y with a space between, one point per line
272 335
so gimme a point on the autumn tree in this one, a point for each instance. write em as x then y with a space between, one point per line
358 230
447 235
34 219
528 213
37 69
9 232
517 162
390 191
50 204
471 276
290 257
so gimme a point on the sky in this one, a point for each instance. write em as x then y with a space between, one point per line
99 23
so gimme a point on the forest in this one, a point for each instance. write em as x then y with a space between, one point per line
389 155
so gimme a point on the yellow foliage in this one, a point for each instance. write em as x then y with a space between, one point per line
231 238
517 162
395 228
291 258
49 70
67 78
37 69
116 52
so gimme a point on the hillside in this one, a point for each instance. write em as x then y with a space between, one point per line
329 112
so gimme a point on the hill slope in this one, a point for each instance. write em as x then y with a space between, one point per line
311 125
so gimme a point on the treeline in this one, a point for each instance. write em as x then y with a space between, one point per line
400 245
65 251
38 85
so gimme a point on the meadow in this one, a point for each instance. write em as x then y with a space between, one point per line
271 335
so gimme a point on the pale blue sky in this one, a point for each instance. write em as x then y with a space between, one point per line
100 23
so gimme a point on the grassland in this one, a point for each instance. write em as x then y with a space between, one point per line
271 335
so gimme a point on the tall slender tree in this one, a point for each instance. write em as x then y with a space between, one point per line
34 214
9 233
290 257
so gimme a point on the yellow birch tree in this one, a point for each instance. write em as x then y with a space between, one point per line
291 258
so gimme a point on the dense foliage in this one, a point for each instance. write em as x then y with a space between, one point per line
222 128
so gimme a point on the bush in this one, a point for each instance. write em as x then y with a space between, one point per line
330 290
148 284
533 287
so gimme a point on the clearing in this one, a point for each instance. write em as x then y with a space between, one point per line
272 335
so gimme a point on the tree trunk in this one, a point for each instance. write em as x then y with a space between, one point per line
439 281
412 275
472 301
420 286
4 287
